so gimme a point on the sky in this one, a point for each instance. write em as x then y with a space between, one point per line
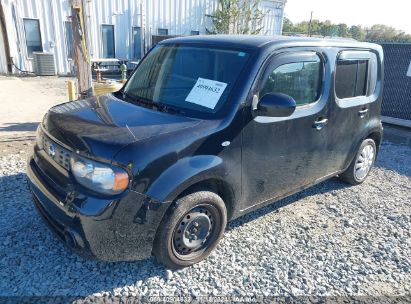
395 13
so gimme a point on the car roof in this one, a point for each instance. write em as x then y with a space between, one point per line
261 41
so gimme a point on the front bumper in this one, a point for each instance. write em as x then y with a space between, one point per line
121 229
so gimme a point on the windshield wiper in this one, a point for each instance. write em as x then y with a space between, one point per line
150 104
137 100
165 108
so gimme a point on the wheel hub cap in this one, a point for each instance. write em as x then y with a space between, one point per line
364 162
193 230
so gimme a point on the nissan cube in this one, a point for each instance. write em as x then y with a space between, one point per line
205 130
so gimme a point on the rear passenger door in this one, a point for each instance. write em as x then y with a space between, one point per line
355 91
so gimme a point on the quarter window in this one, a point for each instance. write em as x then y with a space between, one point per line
351 78
108 41
300 80
33 36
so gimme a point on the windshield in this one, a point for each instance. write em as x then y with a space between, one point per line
191 80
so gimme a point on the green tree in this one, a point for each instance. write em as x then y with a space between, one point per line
357 32
343 30
236 17
377 32
328 29
288 26
315 27
381 32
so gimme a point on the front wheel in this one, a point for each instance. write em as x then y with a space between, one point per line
361 165
190 230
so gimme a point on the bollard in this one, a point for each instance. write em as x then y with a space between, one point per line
71 90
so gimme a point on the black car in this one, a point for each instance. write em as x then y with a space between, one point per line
206 129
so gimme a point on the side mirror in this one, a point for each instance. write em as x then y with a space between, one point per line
275 105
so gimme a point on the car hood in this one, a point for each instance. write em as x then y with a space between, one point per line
101 126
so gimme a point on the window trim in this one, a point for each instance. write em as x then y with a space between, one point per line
25 35
286 56
307 57
66 39
114 40
373 77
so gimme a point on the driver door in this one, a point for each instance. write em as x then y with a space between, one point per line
283 154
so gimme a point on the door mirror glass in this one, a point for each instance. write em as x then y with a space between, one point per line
275 105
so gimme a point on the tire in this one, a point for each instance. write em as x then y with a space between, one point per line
190 230
365 157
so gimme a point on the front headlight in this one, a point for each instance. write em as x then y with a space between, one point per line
99 177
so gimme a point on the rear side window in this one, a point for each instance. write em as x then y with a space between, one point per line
351 79
300 80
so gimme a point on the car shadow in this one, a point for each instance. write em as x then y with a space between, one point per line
274 205
19 127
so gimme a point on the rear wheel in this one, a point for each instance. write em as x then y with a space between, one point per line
361 165
191 230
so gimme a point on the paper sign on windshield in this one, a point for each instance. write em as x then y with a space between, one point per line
206 92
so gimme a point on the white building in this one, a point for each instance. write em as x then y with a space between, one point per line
115 28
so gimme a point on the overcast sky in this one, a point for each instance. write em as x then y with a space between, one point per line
396 13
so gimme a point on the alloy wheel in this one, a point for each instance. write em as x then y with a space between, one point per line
364 162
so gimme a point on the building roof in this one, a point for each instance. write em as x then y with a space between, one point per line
260 41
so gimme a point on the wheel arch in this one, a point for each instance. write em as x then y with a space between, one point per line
375 134
218 186
198 172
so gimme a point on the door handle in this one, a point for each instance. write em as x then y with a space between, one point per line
320 123
363 112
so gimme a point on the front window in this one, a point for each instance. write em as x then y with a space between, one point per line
193 80
300 80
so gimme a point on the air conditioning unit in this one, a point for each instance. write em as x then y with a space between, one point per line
43 64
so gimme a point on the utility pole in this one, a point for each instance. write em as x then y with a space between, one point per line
309 25
81 54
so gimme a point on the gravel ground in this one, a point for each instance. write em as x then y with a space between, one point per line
331 239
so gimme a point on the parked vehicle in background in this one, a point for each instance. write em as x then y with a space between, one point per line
206 129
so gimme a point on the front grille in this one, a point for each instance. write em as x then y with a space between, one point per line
59 154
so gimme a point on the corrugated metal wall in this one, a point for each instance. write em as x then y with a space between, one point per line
273 17
52 14
179 17
396 100
3 60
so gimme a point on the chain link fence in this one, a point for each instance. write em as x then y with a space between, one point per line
396 101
